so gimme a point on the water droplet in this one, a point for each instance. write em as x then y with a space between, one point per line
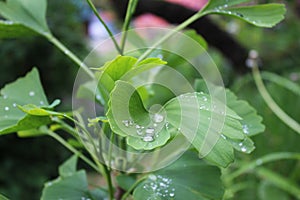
240 14
172 194
155 125
14 105
158 118
31 93
244 149
127 123
41 102
152 177
67 52
240 144
148 138
245 129
139 132
137 126
6 108
150 130
5 97
204 98
98 97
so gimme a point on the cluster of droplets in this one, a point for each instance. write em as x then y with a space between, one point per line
147 134
160 186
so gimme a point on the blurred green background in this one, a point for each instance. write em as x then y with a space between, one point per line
27 163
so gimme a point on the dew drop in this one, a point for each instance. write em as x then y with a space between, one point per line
204 98
240 144
127 123
158 118
172 194
155 125
148 138
31 93
150 130
152 177
14 105
139 132
6 108
245 129
244 149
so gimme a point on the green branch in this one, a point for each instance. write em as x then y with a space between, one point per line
92 6
272 104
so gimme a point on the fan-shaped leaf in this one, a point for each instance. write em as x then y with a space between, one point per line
266 15
187 178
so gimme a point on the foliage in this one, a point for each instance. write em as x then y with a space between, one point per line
211 125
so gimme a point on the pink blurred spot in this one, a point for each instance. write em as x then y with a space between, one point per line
150 20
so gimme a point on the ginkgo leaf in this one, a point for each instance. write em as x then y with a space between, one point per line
30 13
265 15
24 91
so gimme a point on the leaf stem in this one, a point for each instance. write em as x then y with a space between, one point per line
279 181
92 6
72 149
260 161
69 53
271 103
171 33
130 10
127 193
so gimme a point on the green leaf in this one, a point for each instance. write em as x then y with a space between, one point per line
71 184
251 121
10 29
3 197
125 181
120 68
30 13
128 118
68 168
266 15
26 90
187 178
192 114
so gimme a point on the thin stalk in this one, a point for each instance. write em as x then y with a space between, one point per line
171 33
279 181
72 149
92 6
109 182
127 193
263 160
130 10
272 104
69 53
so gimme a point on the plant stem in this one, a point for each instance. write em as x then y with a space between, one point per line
279 181
272 104
133 186
92 6
72 149
258 162
70 54
109 182
130 10
171 33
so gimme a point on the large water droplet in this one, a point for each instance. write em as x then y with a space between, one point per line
150 130
244 149
172 194
152 177
31 93
148 138
158 118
